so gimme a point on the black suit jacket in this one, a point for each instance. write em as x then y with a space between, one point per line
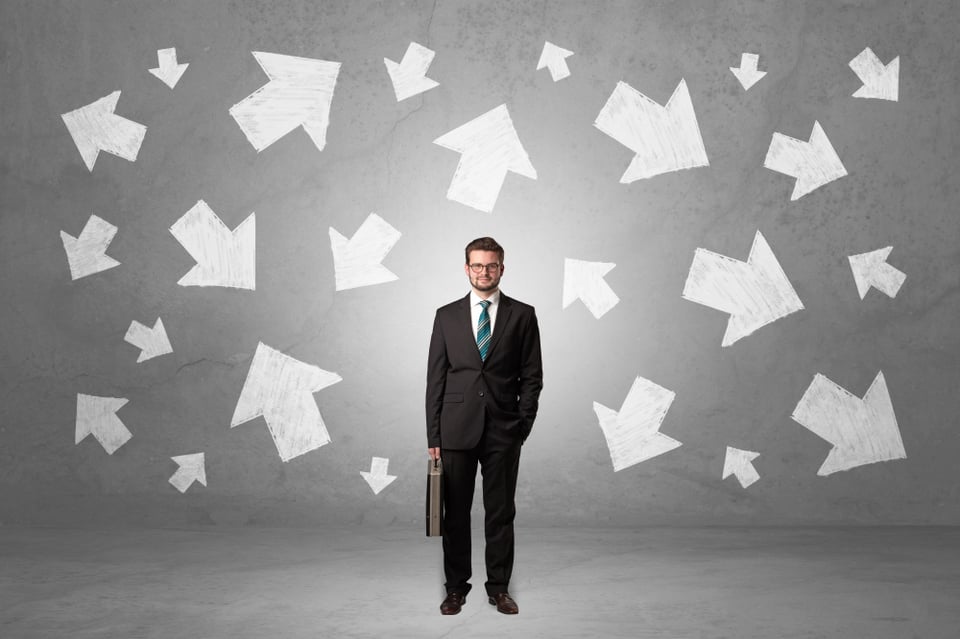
465 392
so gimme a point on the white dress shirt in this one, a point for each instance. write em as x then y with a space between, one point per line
475 309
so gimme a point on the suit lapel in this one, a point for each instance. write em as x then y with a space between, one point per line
465 321
503 316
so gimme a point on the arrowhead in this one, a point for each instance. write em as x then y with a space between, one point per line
152 342
554 58
633 434
97 416
409 77
747 72
357 261
871 269
96 128
880 82
813 163
739 462
377 478
168 71
86 254
584 280
224 257
191 468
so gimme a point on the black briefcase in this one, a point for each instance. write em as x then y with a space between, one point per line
434 498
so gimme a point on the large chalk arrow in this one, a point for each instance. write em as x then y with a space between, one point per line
409 77
299 94
633 435
490 148
584 281
665 139
87 253
280 388
813 163
224 257
881 82
152 342
747 72
97 416
555 59
191 468
755 292
168 70
871 269
377 478
740 463
96 128
862 431
356 262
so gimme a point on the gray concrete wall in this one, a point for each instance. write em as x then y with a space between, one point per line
63 337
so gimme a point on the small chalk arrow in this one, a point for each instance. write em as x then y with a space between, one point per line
191 468
97 416
880 82
862 431
738 463
95 127
299 93
409 77
224 257
633 435
378 477
490 148
356 262
813 163
168 70
584 281
555 59
871 269
755 292
152 342
747 72
87 253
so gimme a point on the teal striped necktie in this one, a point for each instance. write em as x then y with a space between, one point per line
483 330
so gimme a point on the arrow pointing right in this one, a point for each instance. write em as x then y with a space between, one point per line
813 163
152 342
871 269
191 468
881 82
584 280
95 127
87 253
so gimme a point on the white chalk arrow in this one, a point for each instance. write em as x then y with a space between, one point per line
633 435
862 431
739 463
281 388
665 139
152 342
813 163
97 416
378 477
871 269
490 147
87 253
299 94
584 281
224 257
747 72
192 468
881 82
168 70
409 77
96 128
356 262
555 59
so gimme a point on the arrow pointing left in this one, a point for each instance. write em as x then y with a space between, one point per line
152 342
871 269
168 71
356 261
87 253
633 435
740 463
224 257
584 280
377 478
191 468
95 127
97 416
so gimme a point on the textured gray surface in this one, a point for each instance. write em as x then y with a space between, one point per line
61 338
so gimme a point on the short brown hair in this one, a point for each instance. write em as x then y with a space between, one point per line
483 244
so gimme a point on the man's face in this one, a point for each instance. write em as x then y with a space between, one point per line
488 279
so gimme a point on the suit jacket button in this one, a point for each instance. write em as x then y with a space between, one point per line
481 393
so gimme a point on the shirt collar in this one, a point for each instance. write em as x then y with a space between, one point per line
475 299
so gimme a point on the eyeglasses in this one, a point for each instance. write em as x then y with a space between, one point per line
490 268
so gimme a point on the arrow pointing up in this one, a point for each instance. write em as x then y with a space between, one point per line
755 292
584 280
747 72
490 147
97 416
881 82
378 477
555 59
152 342
299 94
739 463
96 128
861 431
813 163
280 388
356 262
224 257
633 435
871 269
191 468
87 254
410 76
168 70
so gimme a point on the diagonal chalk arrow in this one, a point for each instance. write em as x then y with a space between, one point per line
378 477
813 163
152 342
96 128
490 148
191 468
747 72
881 82
739 463
665 139
281 388
356 261
584 281
862 431
633 435
555 59
224 257
167 69
755 292
97 416
299 93
871 269
409 77
87 253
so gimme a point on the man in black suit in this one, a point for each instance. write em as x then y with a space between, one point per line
484 377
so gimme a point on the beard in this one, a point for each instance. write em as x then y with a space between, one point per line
490 285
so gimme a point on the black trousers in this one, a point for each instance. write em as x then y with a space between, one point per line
499 462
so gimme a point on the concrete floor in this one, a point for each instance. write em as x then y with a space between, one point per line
769 583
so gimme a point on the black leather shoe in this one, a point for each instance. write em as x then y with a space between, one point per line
452 604
504 603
